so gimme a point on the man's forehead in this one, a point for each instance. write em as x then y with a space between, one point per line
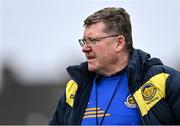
94 31
94 28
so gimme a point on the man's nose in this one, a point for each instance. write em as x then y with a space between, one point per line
86 48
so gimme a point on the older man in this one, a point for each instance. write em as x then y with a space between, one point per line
118 84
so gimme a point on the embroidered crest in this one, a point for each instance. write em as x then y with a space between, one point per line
148 91
130 102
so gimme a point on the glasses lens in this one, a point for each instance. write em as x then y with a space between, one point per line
81 42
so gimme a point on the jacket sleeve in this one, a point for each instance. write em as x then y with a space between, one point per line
173 95
58 116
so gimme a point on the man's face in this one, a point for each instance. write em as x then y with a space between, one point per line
101 55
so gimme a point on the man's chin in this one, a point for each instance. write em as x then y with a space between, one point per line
91 68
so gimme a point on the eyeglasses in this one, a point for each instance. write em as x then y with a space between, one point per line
91 41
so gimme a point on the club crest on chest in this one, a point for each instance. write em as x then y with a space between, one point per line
130 102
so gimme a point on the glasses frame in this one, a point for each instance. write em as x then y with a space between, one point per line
89 41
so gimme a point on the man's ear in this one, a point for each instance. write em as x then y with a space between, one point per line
120 43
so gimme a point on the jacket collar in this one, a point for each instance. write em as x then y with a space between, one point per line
139 63
80 73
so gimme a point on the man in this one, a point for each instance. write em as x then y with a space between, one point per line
118 84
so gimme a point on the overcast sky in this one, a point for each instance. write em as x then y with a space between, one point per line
40 37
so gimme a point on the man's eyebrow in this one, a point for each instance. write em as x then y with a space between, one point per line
88 37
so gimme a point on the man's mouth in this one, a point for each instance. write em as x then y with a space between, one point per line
90 57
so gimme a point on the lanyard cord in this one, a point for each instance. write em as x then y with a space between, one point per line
108 103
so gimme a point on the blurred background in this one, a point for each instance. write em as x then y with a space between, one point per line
39 39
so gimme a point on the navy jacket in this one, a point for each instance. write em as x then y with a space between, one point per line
155 88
